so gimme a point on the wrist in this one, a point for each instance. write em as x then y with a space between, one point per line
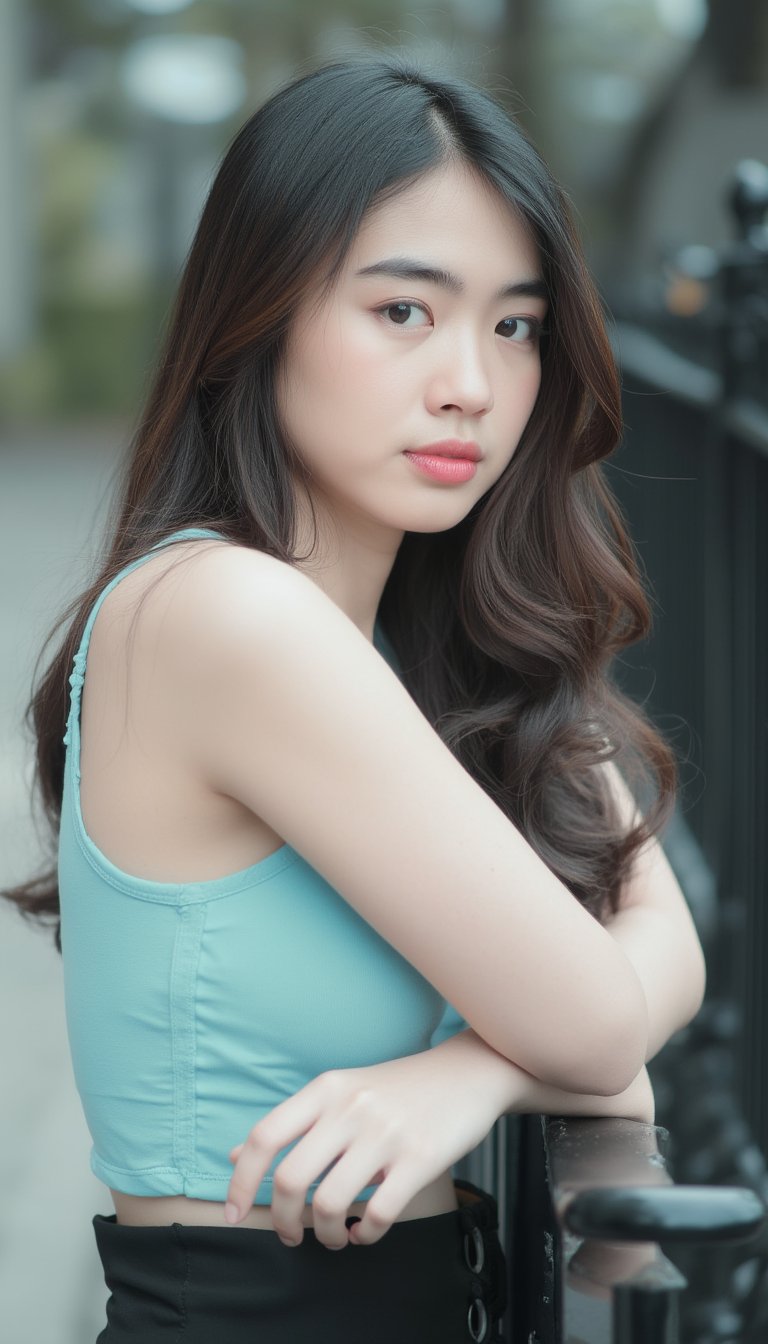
500 1081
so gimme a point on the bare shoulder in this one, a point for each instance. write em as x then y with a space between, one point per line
241 642
226 604
182 619
188 571
195 589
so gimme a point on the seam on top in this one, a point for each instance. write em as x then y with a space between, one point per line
184 1173
178 893
182 991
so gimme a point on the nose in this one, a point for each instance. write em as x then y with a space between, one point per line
460 378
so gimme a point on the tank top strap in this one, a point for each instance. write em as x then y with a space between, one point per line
77 677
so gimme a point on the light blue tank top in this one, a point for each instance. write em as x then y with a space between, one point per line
194 1008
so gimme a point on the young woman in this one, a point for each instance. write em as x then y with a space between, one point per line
347 750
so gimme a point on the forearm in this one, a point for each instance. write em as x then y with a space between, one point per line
655 931
513 1091
668 961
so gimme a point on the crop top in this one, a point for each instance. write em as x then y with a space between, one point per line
194 1008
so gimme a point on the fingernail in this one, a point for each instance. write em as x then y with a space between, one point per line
287 1242
231 1212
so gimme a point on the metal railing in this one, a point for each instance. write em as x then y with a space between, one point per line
602 1246
592 1204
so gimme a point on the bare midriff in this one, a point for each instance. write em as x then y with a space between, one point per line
162 1210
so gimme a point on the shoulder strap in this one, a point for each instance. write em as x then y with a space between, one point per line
78 670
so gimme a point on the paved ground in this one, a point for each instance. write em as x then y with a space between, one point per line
53 490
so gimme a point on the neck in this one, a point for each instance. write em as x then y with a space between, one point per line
351 563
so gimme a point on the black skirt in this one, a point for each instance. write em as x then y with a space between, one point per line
437 1280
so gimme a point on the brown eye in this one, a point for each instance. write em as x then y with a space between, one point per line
518 330
398 313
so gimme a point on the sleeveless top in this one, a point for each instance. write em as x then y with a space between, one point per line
194 1008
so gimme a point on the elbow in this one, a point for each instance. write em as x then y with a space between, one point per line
617 1070
698 983
625 1049
611 1053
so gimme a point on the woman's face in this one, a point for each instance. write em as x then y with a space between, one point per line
394 360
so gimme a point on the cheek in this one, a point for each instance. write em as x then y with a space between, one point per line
368 367
343 368
534 386
521 392
310 388
332 395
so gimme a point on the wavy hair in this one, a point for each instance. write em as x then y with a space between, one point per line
506 624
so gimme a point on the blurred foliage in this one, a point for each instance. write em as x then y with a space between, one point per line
115 193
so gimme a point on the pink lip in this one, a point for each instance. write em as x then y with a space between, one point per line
441 467
451 448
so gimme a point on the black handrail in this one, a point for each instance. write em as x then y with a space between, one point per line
678 1213
615 1202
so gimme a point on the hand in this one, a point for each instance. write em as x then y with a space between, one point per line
401 1123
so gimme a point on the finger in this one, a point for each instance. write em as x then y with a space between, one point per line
342 1187
275 1131
331 1206
395 1193
316 1154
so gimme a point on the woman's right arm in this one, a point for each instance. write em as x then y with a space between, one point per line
523 1094
285 706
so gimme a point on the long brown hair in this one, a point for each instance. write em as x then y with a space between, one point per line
506 624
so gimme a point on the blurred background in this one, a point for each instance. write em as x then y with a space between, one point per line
654 116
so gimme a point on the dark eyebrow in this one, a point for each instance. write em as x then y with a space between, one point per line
405 268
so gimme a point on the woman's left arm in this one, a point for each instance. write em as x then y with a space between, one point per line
656 932
403 1122
397 1125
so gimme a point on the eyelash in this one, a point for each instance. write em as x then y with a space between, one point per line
536 325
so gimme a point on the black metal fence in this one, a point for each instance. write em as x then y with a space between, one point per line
692 475
602 1247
